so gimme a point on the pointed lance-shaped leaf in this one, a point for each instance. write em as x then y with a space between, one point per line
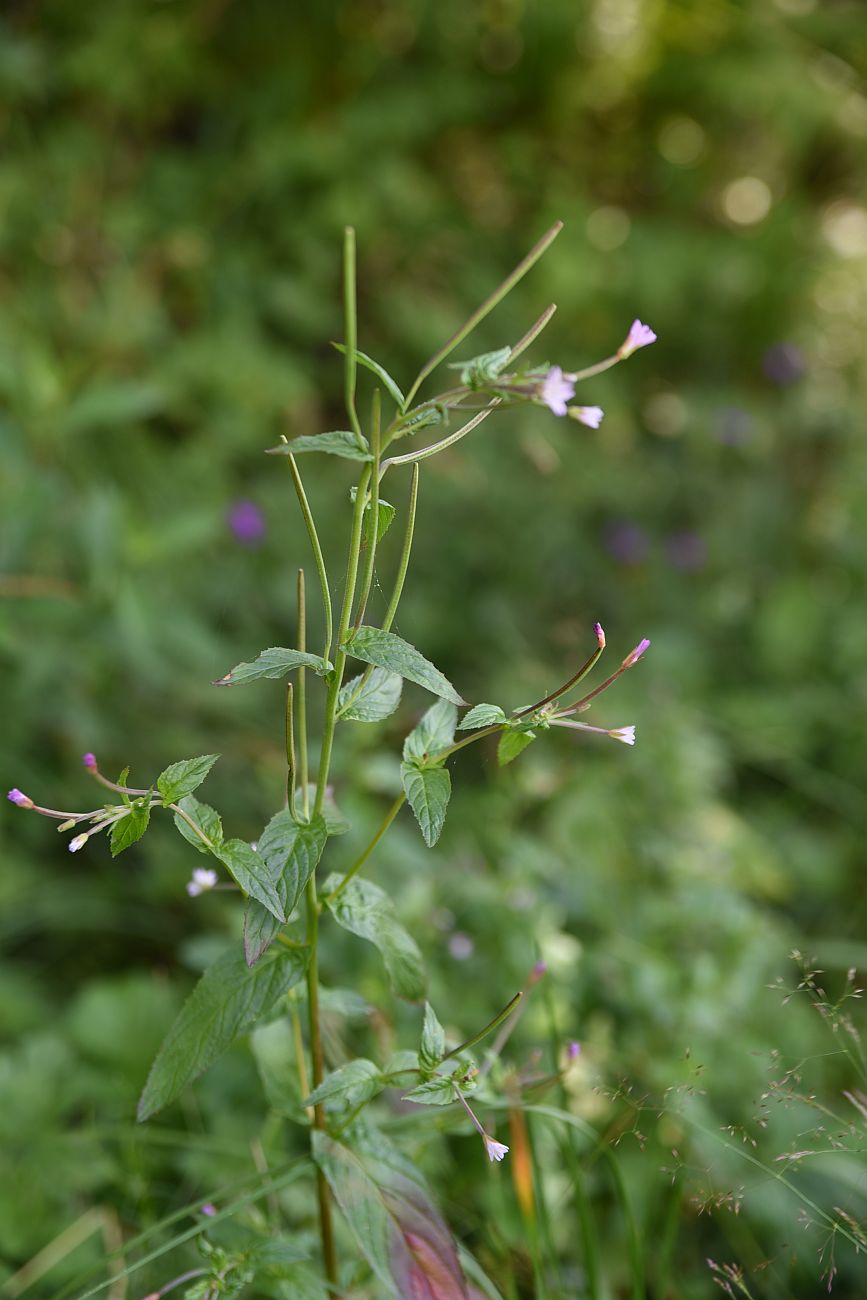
352 1085
180 779
338 442
481 715
428 790
226 1002
131 827
386 650
380 372
433 1041
274 662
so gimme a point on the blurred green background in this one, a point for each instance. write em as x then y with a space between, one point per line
174 179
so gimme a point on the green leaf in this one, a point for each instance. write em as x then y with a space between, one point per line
385 513
385 650
438 1091
377 699
380 372
481 370
389 1209
481 715
433 1041
366 910
131 827
434 733
339 442
225 1003
274 662
251 873
427 790
207 818
180 779
512 743
290 853
352 1084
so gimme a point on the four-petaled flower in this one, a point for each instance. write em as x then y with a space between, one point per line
592 416
638 337
203 879
557 388
17 797
496 1150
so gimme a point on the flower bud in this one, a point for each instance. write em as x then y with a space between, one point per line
78 843
89 761
22 800
634 655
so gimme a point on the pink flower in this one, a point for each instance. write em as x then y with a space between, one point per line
600 635
89 761
557 388
634 655
20 799
638 337
573 1051
209 1209
592 416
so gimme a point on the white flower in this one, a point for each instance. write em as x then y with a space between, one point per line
495 1150
592 416
78 843
203 879
625 734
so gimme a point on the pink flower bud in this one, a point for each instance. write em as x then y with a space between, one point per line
634 655
600 635
209 1209
22 800
592 416
89 761
573 1051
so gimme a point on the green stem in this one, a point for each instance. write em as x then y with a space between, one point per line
290 750
582 672
326 1230
486 307
350 329
301 691
317 552
335 677
373 527
488 1029
365 854
404 554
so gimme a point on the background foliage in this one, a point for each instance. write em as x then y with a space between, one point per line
173 181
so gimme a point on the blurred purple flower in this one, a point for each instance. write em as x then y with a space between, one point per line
626 541
209 1210
461 946
783 363
592 416
573 1051
733 426
246 522
687 551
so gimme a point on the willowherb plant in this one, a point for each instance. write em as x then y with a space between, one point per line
388 1209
